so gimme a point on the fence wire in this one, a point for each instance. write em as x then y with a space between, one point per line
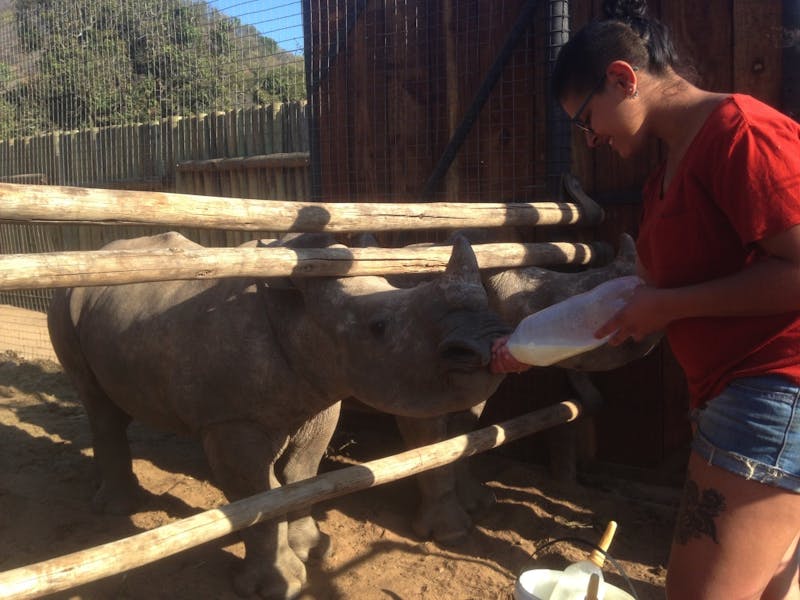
416 100
394 100
99 63
94 92
128 94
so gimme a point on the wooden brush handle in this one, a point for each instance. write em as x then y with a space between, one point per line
598 557
594 587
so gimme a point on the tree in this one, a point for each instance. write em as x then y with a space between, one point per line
281 85
107 62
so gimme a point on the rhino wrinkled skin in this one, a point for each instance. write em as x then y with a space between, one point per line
450 495
256 371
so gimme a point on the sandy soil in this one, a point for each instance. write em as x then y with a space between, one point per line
46 485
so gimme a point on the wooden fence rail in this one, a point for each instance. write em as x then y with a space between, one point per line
282 176
74 569
148 153
110 267
88 205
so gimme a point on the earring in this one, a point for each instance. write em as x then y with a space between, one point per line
632 93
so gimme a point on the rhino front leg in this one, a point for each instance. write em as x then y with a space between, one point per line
242 457
300 461
448 493
474 495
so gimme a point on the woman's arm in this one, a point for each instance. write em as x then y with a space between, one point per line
769 286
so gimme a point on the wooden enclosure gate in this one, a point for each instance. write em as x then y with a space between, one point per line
27 203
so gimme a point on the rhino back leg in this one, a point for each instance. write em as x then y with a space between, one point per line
301 461
242 456
118 491
449 493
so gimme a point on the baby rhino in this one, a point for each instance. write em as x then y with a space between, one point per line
256 369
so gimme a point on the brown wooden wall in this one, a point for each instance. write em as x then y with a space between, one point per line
396 85
392 81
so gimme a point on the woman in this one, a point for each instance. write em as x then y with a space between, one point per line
719 250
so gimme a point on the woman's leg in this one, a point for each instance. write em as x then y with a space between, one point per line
732 537
785 585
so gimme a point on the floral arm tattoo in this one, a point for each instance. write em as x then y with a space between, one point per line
697 512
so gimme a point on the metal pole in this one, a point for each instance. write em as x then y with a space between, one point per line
790 89
558 133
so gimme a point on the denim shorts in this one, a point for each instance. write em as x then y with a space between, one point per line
752 429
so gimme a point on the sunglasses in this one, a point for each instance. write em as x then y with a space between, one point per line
579 123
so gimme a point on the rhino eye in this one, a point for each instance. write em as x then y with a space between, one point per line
378 328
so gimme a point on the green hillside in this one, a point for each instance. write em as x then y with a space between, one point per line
69 64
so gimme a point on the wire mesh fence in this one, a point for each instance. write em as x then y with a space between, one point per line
430 100
134 94
99 63
116 91
394 100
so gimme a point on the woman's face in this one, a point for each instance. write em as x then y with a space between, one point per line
610 114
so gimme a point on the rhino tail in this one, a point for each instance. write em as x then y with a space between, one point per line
65 340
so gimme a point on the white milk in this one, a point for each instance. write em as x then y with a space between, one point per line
541 354
567 328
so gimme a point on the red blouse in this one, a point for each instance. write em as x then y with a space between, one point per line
738 182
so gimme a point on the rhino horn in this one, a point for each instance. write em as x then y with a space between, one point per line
627 248
463 265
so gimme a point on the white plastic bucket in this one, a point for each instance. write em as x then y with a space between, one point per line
538 583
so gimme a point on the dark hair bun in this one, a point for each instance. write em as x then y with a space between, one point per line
625 10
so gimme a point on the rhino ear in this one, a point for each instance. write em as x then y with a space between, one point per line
463 265
362 240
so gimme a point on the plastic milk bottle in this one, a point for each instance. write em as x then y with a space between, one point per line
567 328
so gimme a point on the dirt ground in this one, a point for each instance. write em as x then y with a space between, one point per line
46 482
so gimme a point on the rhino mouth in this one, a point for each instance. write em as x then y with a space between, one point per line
467 345
464 356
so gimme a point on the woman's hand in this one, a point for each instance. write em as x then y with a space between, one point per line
646 312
